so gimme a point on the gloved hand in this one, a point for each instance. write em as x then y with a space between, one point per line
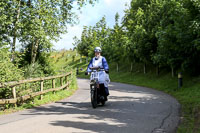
107 71
86 73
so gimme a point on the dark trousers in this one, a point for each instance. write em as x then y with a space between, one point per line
104 90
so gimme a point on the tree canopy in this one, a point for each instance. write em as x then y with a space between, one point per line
33 25
165 33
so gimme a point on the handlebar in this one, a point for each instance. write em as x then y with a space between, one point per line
96 68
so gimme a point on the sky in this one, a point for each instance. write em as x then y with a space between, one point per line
89 16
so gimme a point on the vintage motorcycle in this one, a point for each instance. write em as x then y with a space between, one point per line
97 90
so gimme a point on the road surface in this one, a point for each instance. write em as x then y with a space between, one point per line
130 109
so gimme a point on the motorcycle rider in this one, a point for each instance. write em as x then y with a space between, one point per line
100 61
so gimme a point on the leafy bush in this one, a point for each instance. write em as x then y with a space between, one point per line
8 72
42 67
33 71
47 63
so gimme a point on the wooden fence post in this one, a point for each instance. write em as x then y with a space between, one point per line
53 85
71 75
14 94
61 81
41 88
66 81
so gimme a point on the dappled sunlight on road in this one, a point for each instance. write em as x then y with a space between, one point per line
131 96
90 119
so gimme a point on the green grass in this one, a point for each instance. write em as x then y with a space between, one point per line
188 96
64 60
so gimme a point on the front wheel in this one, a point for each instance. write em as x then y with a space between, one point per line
94 96
103 102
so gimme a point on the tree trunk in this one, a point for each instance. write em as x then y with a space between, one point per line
131 66
157 70
144 68
29 3
117 67
172 68
15 32
34 51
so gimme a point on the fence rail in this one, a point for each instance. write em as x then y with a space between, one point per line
14 84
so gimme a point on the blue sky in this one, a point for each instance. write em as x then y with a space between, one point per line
89 16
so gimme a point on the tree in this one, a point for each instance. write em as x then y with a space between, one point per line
37 22
135 23
117 42
92 37
6 20
173 36
99 36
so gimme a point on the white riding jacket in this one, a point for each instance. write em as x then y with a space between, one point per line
103 76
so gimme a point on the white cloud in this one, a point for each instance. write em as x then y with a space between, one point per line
108 2
67 39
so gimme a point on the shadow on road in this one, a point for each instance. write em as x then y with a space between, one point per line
128 108
114 116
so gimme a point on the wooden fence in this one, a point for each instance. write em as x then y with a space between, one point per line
64 83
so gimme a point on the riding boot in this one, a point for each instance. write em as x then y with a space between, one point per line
106 99
106 91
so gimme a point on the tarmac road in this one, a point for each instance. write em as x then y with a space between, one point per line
130 109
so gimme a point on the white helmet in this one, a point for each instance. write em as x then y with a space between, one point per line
97 49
